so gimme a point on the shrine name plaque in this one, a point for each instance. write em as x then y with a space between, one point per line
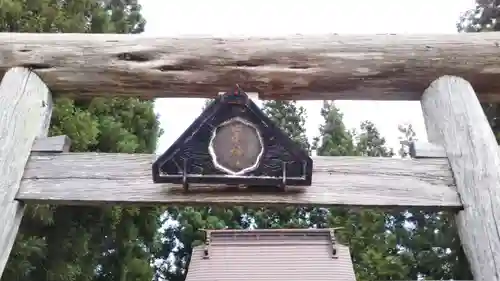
236 146
233 142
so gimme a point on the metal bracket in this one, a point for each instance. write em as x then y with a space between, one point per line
282 186
185 183
334 244
206 249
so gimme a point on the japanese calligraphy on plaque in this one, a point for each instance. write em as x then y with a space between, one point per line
236 146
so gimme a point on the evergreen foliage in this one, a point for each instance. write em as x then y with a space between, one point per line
66 243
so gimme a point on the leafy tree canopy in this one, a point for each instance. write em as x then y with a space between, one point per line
87 243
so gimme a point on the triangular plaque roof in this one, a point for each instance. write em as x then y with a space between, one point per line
191 159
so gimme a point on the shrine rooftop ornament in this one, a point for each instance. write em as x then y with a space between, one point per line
233 142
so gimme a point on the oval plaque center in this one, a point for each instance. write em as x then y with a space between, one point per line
236 146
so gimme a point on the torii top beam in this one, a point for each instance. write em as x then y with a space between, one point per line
376 67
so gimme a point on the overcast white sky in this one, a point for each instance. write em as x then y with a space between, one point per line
279 17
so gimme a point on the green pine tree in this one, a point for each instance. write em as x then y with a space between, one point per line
373 249
429 239
336 140
290 118
87 243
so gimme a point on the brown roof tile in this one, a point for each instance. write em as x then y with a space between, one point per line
271 255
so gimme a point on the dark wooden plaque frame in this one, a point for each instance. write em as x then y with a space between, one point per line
188 160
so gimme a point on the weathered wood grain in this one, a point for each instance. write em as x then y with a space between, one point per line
333 67
91 178
25 110
52 144
455 119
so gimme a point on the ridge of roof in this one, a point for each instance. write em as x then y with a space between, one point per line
279 232
273 230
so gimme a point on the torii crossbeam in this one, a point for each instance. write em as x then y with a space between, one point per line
458 170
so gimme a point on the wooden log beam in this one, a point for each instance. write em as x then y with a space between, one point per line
25 110
92 178
332 67
454 118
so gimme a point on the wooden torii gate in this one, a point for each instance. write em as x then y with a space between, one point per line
458 169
